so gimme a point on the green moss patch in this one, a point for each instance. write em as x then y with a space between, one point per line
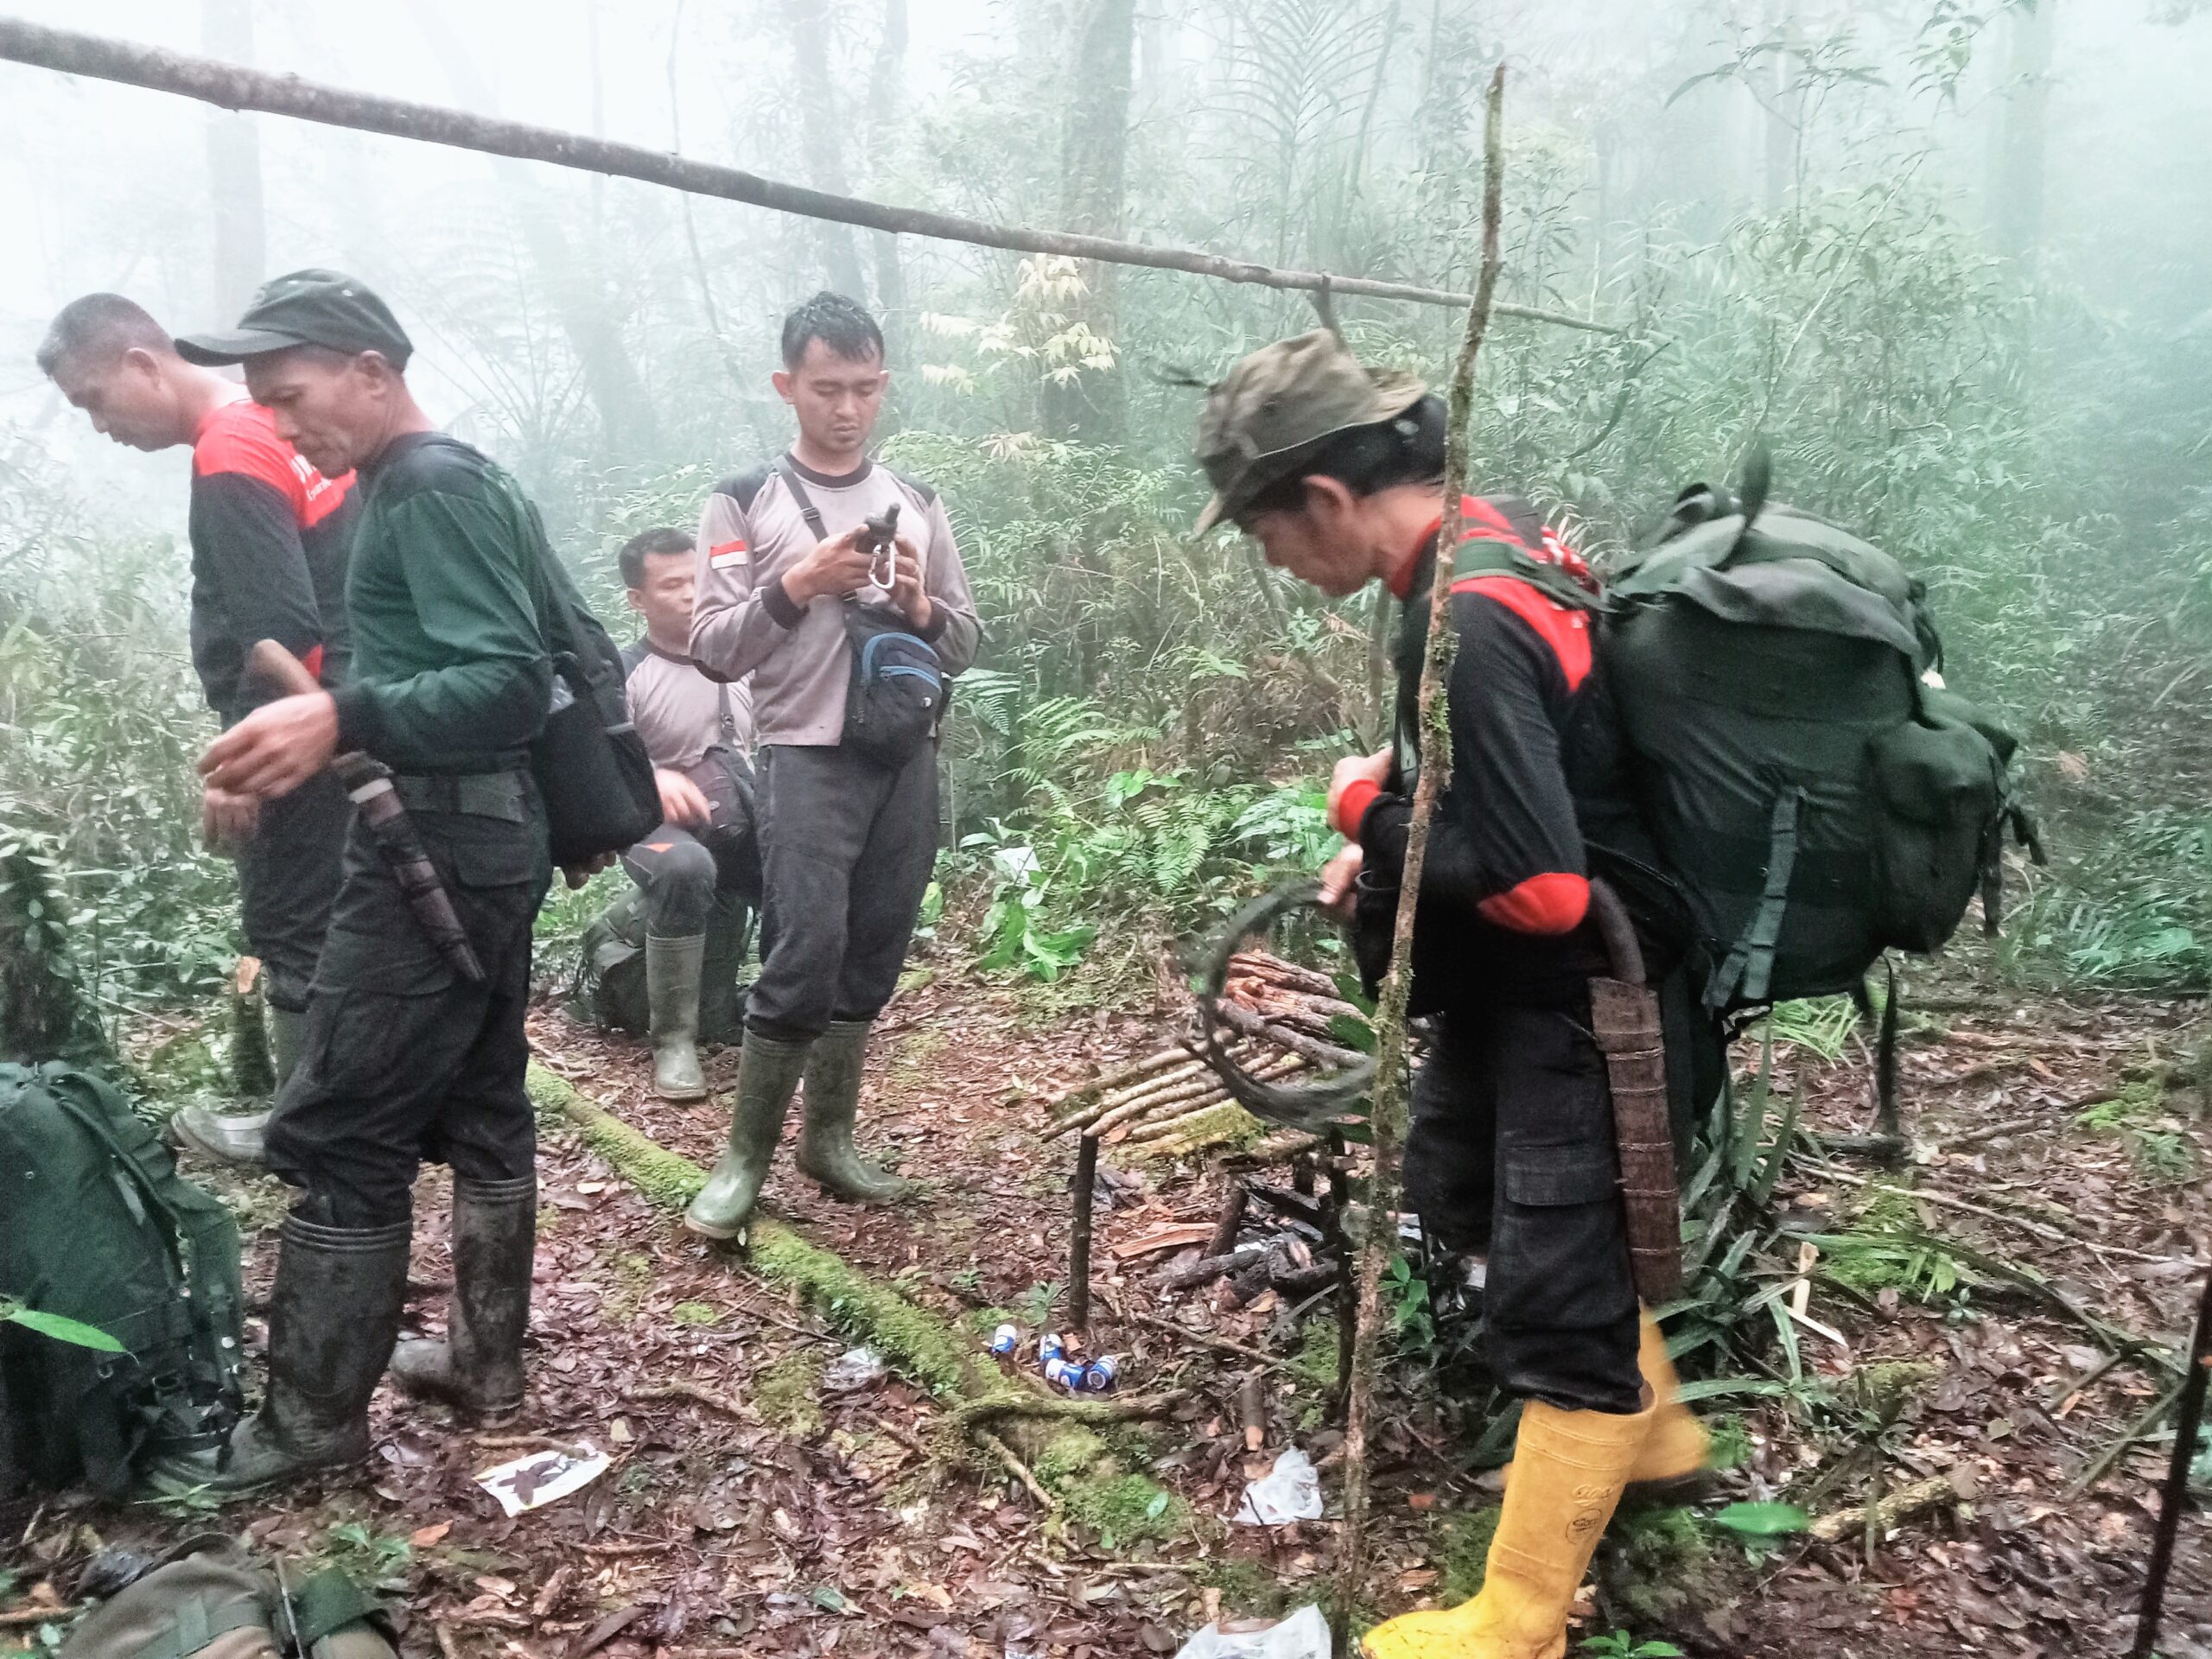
1655 1566
789 1393
1462 1554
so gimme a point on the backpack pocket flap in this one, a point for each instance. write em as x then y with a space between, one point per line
1936 773
1550 1176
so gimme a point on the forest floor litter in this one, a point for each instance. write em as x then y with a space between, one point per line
1971 1428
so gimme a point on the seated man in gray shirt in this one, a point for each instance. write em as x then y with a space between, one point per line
787 576
699 733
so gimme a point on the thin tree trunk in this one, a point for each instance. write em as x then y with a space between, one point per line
819 140
241 250
2023 139
887 98
1780 132
1094 172
1387 1116
699 271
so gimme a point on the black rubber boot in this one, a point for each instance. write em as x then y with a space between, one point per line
332 1318
478 1368
768 1073
826 1153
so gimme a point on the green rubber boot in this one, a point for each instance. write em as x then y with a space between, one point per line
833 1098
672 1000
768 1073
333 1317
238 1137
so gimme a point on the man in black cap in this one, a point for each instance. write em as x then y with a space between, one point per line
404 1058
269 540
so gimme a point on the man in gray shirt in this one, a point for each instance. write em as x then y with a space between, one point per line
848 840
702 864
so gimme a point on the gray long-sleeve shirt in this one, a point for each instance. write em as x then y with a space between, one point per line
744 622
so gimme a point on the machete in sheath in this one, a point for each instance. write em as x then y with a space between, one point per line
367 783
1624 1018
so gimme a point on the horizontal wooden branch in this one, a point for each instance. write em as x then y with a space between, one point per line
232 86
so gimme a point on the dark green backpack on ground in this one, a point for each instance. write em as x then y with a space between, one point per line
96 1226
215 1605
1821 798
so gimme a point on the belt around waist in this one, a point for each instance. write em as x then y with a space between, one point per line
503 795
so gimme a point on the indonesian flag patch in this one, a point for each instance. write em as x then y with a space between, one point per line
722 555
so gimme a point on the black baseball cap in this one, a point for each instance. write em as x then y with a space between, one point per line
305 308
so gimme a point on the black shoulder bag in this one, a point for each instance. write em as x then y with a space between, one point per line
894 700
591 768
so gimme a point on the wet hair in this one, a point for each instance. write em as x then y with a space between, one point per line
1365 459
841 324
96 330
648 542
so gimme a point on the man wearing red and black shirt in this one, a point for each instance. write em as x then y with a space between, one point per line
270 537
1335 470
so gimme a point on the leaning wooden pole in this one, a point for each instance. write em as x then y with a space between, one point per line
1387 1117
232 86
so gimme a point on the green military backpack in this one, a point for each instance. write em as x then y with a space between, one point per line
214 1604
96 1227
1820 795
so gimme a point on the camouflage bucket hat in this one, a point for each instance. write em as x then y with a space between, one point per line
1279 403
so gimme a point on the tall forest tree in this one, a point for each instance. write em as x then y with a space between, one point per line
241 246
2018 161
821 141
1092 403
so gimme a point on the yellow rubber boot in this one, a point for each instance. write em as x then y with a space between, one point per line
1676 1447
1568 1477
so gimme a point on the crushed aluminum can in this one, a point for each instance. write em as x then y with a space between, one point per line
1063 1374
1005 1340
1049 1346
1100 1374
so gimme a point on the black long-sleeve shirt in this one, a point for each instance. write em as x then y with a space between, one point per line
1537 776
270 539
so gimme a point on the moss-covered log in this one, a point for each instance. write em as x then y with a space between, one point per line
1073 1462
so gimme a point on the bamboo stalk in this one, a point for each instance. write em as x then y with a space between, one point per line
1244 1021
1389 1109
1109 1080
1261 965
229 86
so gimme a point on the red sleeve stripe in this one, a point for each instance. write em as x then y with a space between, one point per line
1552 904
1566 631
312 660
1352 805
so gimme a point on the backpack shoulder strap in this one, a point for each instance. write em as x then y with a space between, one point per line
1491 555
800 498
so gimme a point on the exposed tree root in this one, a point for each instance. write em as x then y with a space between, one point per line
1890 1510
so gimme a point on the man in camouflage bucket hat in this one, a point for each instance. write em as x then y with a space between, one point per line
1337 471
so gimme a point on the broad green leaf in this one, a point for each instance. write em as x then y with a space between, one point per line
62 1329
1762 1520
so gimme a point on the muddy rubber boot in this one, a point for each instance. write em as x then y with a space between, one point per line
826 1153
478 1368
1568 1472
768 1073
238 1137
672 1001
332 1318
722 1006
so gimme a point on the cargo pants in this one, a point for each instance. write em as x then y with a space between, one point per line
1511 1149
288 879
404 1060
